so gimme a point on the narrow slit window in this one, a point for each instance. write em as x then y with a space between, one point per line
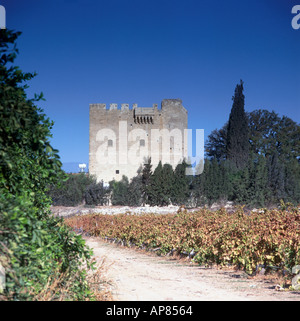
142 142
110 143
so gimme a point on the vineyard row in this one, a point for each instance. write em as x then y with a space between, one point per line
270 238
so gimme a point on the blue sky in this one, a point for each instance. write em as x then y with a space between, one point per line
138 51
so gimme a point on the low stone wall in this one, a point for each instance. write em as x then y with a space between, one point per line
111 210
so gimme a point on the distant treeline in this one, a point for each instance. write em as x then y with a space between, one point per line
254 159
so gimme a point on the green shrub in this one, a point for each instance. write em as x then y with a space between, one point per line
70 192
39 253
96 194
119 191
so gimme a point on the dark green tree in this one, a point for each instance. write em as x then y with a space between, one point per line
276 178
66 193
262 127
267 133
250 185
180 189
259 182
96 194
292 181
146 175
212 182
287 140
237 148
196 189
119 191
270 133
135 191
36 248
72 192
216 143
155 189
202 186
226 172
273 170
167 184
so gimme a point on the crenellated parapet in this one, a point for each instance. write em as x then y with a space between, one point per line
114 106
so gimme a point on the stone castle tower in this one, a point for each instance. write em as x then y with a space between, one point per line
121 140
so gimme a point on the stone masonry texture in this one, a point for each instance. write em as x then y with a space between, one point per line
123 138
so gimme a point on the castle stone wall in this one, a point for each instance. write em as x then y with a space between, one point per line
122 138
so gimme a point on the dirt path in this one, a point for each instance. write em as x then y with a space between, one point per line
138 276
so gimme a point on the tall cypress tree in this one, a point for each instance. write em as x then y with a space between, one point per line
167 184
237 147
180 191
135 191
146 175
155 189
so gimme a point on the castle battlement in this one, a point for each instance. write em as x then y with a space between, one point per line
166 103
114 106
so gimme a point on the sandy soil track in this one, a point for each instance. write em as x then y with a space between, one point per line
139 276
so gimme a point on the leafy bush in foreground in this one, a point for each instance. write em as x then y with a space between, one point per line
38 252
